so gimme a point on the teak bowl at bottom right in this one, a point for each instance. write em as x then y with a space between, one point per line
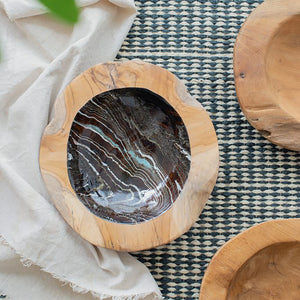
261 263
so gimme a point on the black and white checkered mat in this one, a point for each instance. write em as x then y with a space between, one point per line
257 180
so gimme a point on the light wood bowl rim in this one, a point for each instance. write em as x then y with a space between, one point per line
127 237
229 258
270 29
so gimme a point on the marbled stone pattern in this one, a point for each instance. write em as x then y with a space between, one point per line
128 155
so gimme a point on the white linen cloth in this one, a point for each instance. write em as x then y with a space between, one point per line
40 255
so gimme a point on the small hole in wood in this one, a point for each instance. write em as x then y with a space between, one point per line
265 133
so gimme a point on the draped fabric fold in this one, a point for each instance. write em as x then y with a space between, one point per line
40 256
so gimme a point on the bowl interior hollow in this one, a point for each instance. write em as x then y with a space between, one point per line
272 273
128 155
283 65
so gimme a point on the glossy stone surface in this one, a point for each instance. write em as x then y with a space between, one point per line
128 155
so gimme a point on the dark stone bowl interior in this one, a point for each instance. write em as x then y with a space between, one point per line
128 155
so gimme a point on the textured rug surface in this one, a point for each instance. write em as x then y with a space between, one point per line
257 181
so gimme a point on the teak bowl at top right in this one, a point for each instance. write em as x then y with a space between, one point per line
267 71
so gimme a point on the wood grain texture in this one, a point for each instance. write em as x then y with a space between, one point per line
204 157
267 71
259 264
272 273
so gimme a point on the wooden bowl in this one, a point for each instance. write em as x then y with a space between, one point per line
262 263
129 157
267 71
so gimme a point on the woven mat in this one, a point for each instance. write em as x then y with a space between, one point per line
257 180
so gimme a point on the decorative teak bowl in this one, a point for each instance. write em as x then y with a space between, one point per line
262 263
267 71
129 157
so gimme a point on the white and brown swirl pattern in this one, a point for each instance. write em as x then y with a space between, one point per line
128 155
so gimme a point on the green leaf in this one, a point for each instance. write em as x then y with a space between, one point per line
64 9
